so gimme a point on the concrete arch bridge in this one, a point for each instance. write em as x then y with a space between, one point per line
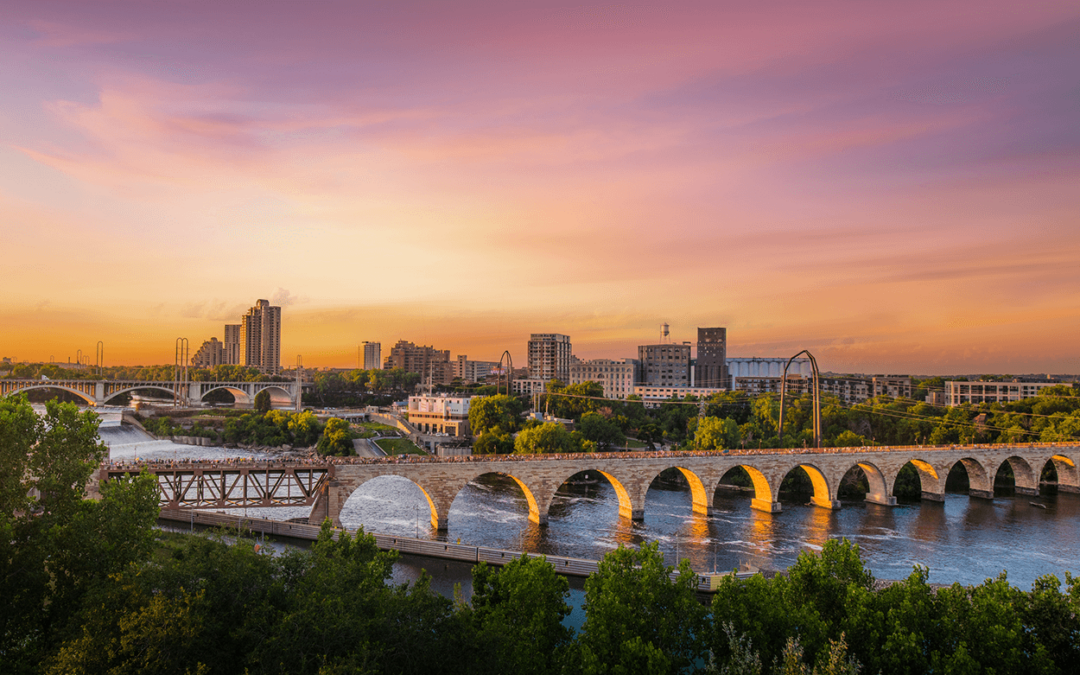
99 392
630 474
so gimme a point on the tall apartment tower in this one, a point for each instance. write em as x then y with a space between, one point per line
428 361
210 354
260 337
230 349
372 355
711 368
549 357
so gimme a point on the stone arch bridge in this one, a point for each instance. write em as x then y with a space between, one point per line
539 477
99 392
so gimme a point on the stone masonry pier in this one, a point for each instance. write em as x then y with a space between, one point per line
539 477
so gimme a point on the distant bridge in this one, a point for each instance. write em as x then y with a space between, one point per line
631 473
99 392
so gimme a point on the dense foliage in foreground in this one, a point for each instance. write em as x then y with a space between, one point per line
85 588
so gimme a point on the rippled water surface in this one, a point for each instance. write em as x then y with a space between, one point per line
962 539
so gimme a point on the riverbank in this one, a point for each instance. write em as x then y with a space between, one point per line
576 567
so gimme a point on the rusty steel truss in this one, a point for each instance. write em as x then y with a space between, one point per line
192 486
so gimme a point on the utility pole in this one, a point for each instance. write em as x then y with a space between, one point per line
180 374
299 382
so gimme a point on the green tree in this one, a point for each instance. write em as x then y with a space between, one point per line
716 434
497 414
55 545
637 618
550 437
493 443
518 613
603 432
336 439
262 402
651 434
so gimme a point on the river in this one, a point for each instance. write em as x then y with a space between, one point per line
962 539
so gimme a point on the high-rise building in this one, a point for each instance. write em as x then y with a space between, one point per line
231 346
260 337
549 357
429 362
710 369
473 371
210 354
372 355
664 364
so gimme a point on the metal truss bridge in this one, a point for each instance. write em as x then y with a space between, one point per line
223 485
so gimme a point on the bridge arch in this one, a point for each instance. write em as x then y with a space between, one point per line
701 498
56 387
331 505
128 390
631 505
763 492
239 395
824 494
931 485
980 482
1068 478
535 516
279 395
1024 476
877 483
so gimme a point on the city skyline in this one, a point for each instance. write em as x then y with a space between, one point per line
891 187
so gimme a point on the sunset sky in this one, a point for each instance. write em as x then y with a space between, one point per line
892 185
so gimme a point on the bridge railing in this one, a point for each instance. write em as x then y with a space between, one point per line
654 454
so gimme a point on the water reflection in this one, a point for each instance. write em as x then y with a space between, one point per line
962 539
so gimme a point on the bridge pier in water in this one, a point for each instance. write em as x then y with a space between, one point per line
631 474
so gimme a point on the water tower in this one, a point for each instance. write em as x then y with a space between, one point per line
664 333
